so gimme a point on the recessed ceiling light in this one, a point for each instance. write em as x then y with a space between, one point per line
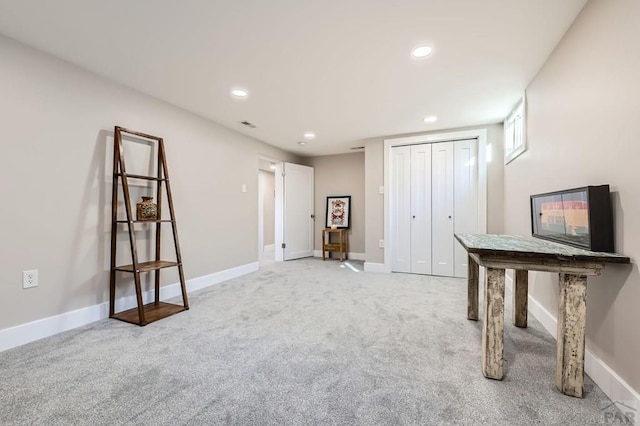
309 135
421 51
302 143
430 119
239 93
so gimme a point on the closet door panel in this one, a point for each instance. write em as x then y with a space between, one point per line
401 209
421 209
465 198
442 209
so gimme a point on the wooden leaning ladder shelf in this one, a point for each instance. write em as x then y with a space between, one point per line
156 310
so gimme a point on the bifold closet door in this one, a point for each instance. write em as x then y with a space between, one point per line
442 209
421 209
434 193
411 209
400 209
465 198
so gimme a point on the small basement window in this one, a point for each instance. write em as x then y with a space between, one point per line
515 132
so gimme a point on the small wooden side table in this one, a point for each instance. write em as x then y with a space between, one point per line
341 245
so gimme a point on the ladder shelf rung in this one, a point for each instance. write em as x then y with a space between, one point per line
130 176
147 266
133 132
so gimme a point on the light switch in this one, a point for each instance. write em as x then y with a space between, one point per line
244 187
381 190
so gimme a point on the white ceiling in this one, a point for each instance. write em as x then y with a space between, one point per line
342 69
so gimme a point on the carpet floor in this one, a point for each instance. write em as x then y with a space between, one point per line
304 342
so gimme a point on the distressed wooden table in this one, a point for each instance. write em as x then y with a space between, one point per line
523 254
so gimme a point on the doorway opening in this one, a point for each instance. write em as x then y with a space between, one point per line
266 210
285 211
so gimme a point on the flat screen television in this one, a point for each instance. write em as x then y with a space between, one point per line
580 217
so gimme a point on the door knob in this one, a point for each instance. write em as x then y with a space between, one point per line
414 217
449 217
313 216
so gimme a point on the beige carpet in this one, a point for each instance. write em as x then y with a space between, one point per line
298 343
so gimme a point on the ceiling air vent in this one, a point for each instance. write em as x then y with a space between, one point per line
246 123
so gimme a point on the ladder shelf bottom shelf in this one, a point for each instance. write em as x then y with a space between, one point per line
147 266
152 312
147 221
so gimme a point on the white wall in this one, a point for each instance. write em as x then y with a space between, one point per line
582 130
56 119
336 175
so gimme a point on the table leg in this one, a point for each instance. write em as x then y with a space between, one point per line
323 243
493 324
571 324
346 246
520 296
472 289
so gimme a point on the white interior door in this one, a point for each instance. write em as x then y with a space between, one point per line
401 209
421 209
298 211
442 209
465 198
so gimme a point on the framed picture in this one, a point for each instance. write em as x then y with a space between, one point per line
339 211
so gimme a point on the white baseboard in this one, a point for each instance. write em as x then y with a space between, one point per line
205 281
351 255
269 247
375 267
608 380
39 329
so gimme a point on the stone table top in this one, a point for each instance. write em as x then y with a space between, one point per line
530 247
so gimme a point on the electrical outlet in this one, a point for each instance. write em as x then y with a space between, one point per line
30 278
381 243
